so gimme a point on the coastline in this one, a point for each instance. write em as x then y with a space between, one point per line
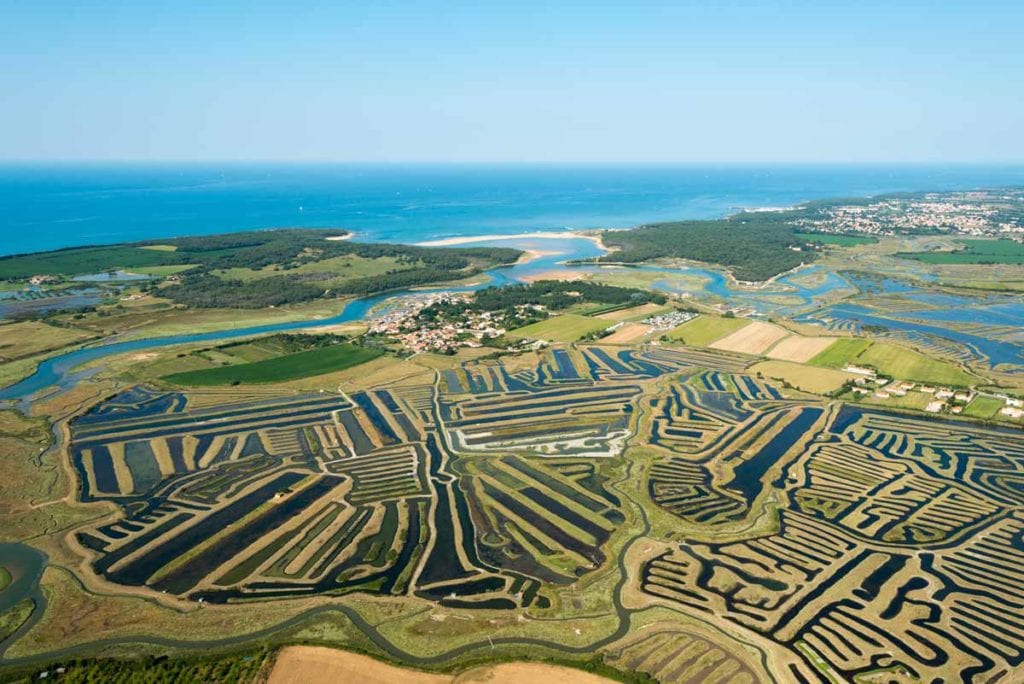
543 235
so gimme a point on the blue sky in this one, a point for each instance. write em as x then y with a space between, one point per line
676 81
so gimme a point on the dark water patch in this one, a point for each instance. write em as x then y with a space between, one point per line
187 575
103 471
224 453
364 401
553 531
105 562
360 441
747 476
142 568
25 565
175 448
241 571
481 585
141 463
552 482
565 513
488 604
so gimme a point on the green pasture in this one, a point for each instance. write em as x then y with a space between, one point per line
564 328
984 407
280 369
906 364
841 352
705 329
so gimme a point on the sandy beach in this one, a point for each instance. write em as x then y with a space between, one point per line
545 235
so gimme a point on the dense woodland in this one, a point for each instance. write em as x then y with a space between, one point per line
753 246
285 250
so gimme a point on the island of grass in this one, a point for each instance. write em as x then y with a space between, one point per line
5 578
328 358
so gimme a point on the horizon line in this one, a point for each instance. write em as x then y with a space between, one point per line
498 162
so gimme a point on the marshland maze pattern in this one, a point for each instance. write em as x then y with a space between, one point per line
897 548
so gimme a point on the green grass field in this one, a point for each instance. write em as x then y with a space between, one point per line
836 240
842 352
5 578
564 328
283 368
161 271
907 364
974 252
705 329
983 407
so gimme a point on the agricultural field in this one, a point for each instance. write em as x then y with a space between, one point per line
900 362
706 328
840 353
302 364
799 348
755 338
564 328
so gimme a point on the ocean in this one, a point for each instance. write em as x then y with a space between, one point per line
49 206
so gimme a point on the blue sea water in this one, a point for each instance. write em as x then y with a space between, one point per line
60 205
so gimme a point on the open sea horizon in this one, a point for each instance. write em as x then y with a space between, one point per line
46 206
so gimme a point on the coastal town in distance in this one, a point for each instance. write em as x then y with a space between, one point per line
642 455
543 342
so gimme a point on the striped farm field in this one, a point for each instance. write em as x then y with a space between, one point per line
799 348
304 364
564 328
705 329
754 338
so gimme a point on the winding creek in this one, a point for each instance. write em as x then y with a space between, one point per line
63 371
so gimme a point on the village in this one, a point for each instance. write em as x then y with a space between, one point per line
981 213
942 399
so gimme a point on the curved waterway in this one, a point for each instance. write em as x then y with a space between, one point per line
550 255
59 370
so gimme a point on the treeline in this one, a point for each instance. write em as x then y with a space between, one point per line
394 280
754 246
244 667
208 291
559 294
286 249
291 248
